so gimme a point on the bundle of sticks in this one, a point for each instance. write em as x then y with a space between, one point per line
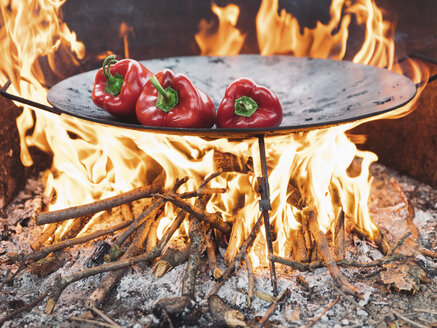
137 242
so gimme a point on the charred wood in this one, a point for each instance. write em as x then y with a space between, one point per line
67 243
339 235
247 244
197 232
62 282
215 220
49 264
48 232
323 249
224 316
113 278
181 311
176 254
215 272
100 205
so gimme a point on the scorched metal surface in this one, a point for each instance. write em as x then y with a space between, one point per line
314 93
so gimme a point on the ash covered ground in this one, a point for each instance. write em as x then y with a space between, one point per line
388 290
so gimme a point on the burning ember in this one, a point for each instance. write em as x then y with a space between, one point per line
178 197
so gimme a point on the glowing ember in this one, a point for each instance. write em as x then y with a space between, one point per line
91 161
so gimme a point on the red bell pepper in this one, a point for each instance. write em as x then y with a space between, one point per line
118 86
248 105
171 100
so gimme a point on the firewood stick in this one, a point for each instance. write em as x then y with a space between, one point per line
235 240
223 315
115 251
101 314
197 231
315 265
339 235
114 277
210 177
300 253
27 307
409 321
326 309
251 279
62 282
67 243
74 228
214 270
323 248
301 281
307 235
350 299
97 206
241 253
410 217
181 310
176 254
152 236
201 191
214 220
93 322
283 298
46 234
151 209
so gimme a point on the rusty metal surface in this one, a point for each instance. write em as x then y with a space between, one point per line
314 93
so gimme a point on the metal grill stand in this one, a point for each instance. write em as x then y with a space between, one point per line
265 207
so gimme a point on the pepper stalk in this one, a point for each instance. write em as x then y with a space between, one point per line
167 98
245 106
113 82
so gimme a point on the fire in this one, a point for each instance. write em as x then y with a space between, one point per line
227 40
91 161
125 30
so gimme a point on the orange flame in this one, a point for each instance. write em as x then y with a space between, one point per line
125 30
228 40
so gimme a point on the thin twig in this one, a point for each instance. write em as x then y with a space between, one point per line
167 317
250 277
410 217
314 320
214 220
315 265
409 321
67 243
97 206
425 311
93 322
272 307
350 299
12 276
27 307
104 316
323 248
115 252
241 253
61 283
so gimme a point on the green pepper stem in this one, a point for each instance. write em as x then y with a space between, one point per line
113 82
167 98
245 106
159 87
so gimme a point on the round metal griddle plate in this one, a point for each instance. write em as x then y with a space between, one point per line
314 93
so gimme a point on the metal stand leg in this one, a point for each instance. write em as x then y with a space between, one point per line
265 207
